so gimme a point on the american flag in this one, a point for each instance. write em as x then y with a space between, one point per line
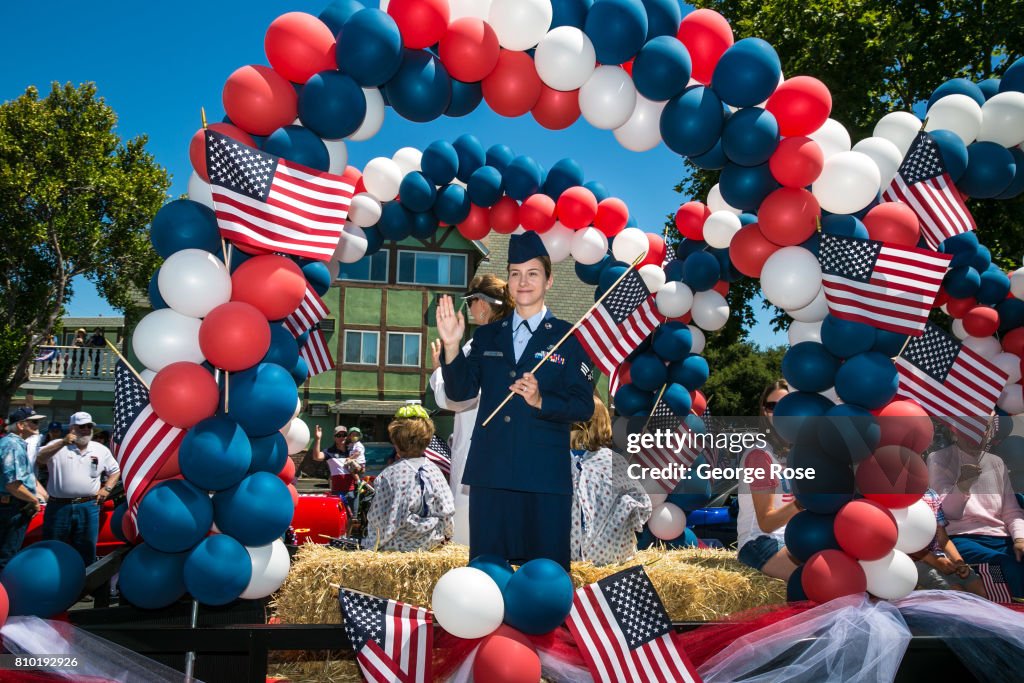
141 442
392 640
624 633
437 452
882 285
994 581
311 310
664 422
950 381
272 203
924 185
614 382
619 324
316 354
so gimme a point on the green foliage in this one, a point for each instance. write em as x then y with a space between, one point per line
739 373
74 201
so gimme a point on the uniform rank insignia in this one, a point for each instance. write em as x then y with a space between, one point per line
585 369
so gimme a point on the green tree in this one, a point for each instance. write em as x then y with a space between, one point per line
74 201
740 372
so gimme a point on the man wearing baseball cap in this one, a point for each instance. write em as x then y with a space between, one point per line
18 504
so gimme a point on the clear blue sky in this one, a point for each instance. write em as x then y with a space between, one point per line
156 64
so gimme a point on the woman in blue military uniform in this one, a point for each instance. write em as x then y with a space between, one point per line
518 468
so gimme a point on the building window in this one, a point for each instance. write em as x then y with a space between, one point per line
361 347
404 349
425 268
367 269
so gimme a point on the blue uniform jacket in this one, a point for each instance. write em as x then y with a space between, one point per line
522 448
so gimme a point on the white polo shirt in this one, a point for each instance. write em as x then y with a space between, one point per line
75 472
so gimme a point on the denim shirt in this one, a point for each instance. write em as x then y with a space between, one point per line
16 467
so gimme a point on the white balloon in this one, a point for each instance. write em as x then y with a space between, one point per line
957 113
565 58
409 159
1002 119
608 98
849 181
296 434
382 177
699 340
365 210
884 153
710 310
374 118
558 242
892 577
165 336
1012 399
333 267
298 407
147 376
900 128
654 277
667 522
988 347
520 24
715 201
674 299
916 526
801 332
831 395
720 228
352 245
270 565
458 9
199 190
813 312
589 246
194 282
958 329
1010 364
657 499
337 152
832 137
643 129
467 603
1017 283
791 278
629 244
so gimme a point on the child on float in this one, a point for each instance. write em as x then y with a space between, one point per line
608 507
940 566
767 504
412 507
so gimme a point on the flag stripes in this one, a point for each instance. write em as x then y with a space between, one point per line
316 354
311 311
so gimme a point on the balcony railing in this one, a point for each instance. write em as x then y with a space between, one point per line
73 362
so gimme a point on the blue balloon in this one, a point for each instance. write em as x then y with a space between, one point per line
1013 78
794 586
1011 314
569 12
962 282
982 260
745 187
957 86
663 18
218 570
989 87
728 270
953 150
494 566
421 90
151 579
692 372
846 338
255 511
747 218
116 518
215 454
424 225
268 453
471 156
888 343
648 372
612 271
831 478
844 226
617 28
262 398
395 222
600 191
184 224
539 595
662 68
332 105
990 170
823 503
849 433
522 178
338 12
994 287
43 579
564 174
701 271
794 409
677 398
1016 186
712 160
452 205
175 515
369 48
298 144
374 241
693 493
236 258
485 186
632 401
691 123
868 380
591 274
318 276
685 247
499 156
417 192
466 97
440 163
674 270
155 300
299 372
961 247
808 533
750 136
747 73
808 366
672 341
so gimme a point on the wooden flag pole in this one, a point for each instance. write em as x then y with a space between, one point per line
660 394
125 361
572 329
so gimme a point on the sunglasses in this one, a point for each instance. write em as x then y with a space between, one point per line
770 405
341 436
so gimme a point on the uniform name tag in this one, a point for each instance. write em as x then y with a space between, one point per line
493 354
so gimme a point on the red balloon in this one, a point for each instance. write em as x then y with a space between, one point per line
477 224
287 473
706 35
699 402
796 162
612 216
556 109
655 250
749 250
893 222
981 321
299 45
537 213
958 308
184 393
577 207
831 574
171 469
801 105
506 656
865 530
905 423
5 605
421 22
789 216
273 284
505 216
942 297
690 219
259 100
513 87
722 287
624 376
294 491
234 336
1013 341
894 476
197 146
469 50
628 67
